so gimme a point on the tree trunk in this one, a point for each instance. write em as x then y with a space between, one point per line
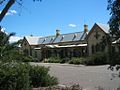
5 10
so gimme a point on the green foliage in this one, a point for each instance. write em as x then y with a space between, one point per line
40 77
16 55
96 59
21 76
115 59
64 60
114 24
14 76
11 51
76 60
53 60
114 62
114 21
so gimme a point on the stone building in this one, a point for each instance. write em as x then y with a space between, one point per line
76 44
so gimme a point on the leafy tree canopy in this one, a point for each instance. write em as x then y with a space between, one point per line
114 22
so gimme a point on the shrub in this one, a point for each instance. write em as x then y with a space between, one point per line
53 60
64 60
40 77
16 56
14 76
96 59
21 76
114 59
27 59
76 60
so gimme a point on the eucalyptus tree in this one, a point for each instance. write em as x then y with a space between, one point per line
114 24
9 5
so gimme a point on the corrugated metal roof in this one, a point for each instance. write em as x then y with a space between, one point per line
48 40
70 37
104 27
32 40
56 39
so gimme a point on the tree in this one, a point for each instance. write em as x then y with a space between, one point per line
114 24
7 7
4 43
10 51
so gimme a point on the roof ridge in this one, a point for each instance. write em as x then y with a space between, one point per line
102 24
72 33
60 35
47 36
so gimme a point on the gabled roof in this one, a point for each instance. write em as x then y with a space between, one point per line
78 36
32 40
104 27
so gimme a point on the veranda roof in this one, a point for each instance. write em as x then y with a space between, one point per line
66 46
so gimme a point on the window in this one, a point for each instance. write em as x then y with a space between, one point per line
35 54
30 52
92 49
25 44
97 47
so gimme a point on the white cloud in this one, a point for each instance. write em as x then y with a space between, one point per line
12 38
72 25
15 39
11 12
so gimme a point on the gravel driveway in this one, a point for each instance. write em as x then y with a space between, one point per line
89 77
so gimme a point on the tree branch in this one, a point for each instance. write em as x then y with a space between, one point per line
5 10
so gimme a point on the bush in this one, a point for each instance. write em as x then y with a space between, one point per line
53 60
14 76
27 59
76 60
40 77
64 60
21 76
17 56
96 59
114 59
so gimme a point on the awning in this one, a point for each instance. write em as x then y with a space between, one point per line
51 46
57 46
79 45
37 48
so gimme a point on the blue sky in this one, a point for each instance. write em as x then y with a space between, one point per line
43 18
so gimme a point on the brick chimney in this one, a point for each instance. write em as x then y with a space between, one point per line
57 32
85 28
